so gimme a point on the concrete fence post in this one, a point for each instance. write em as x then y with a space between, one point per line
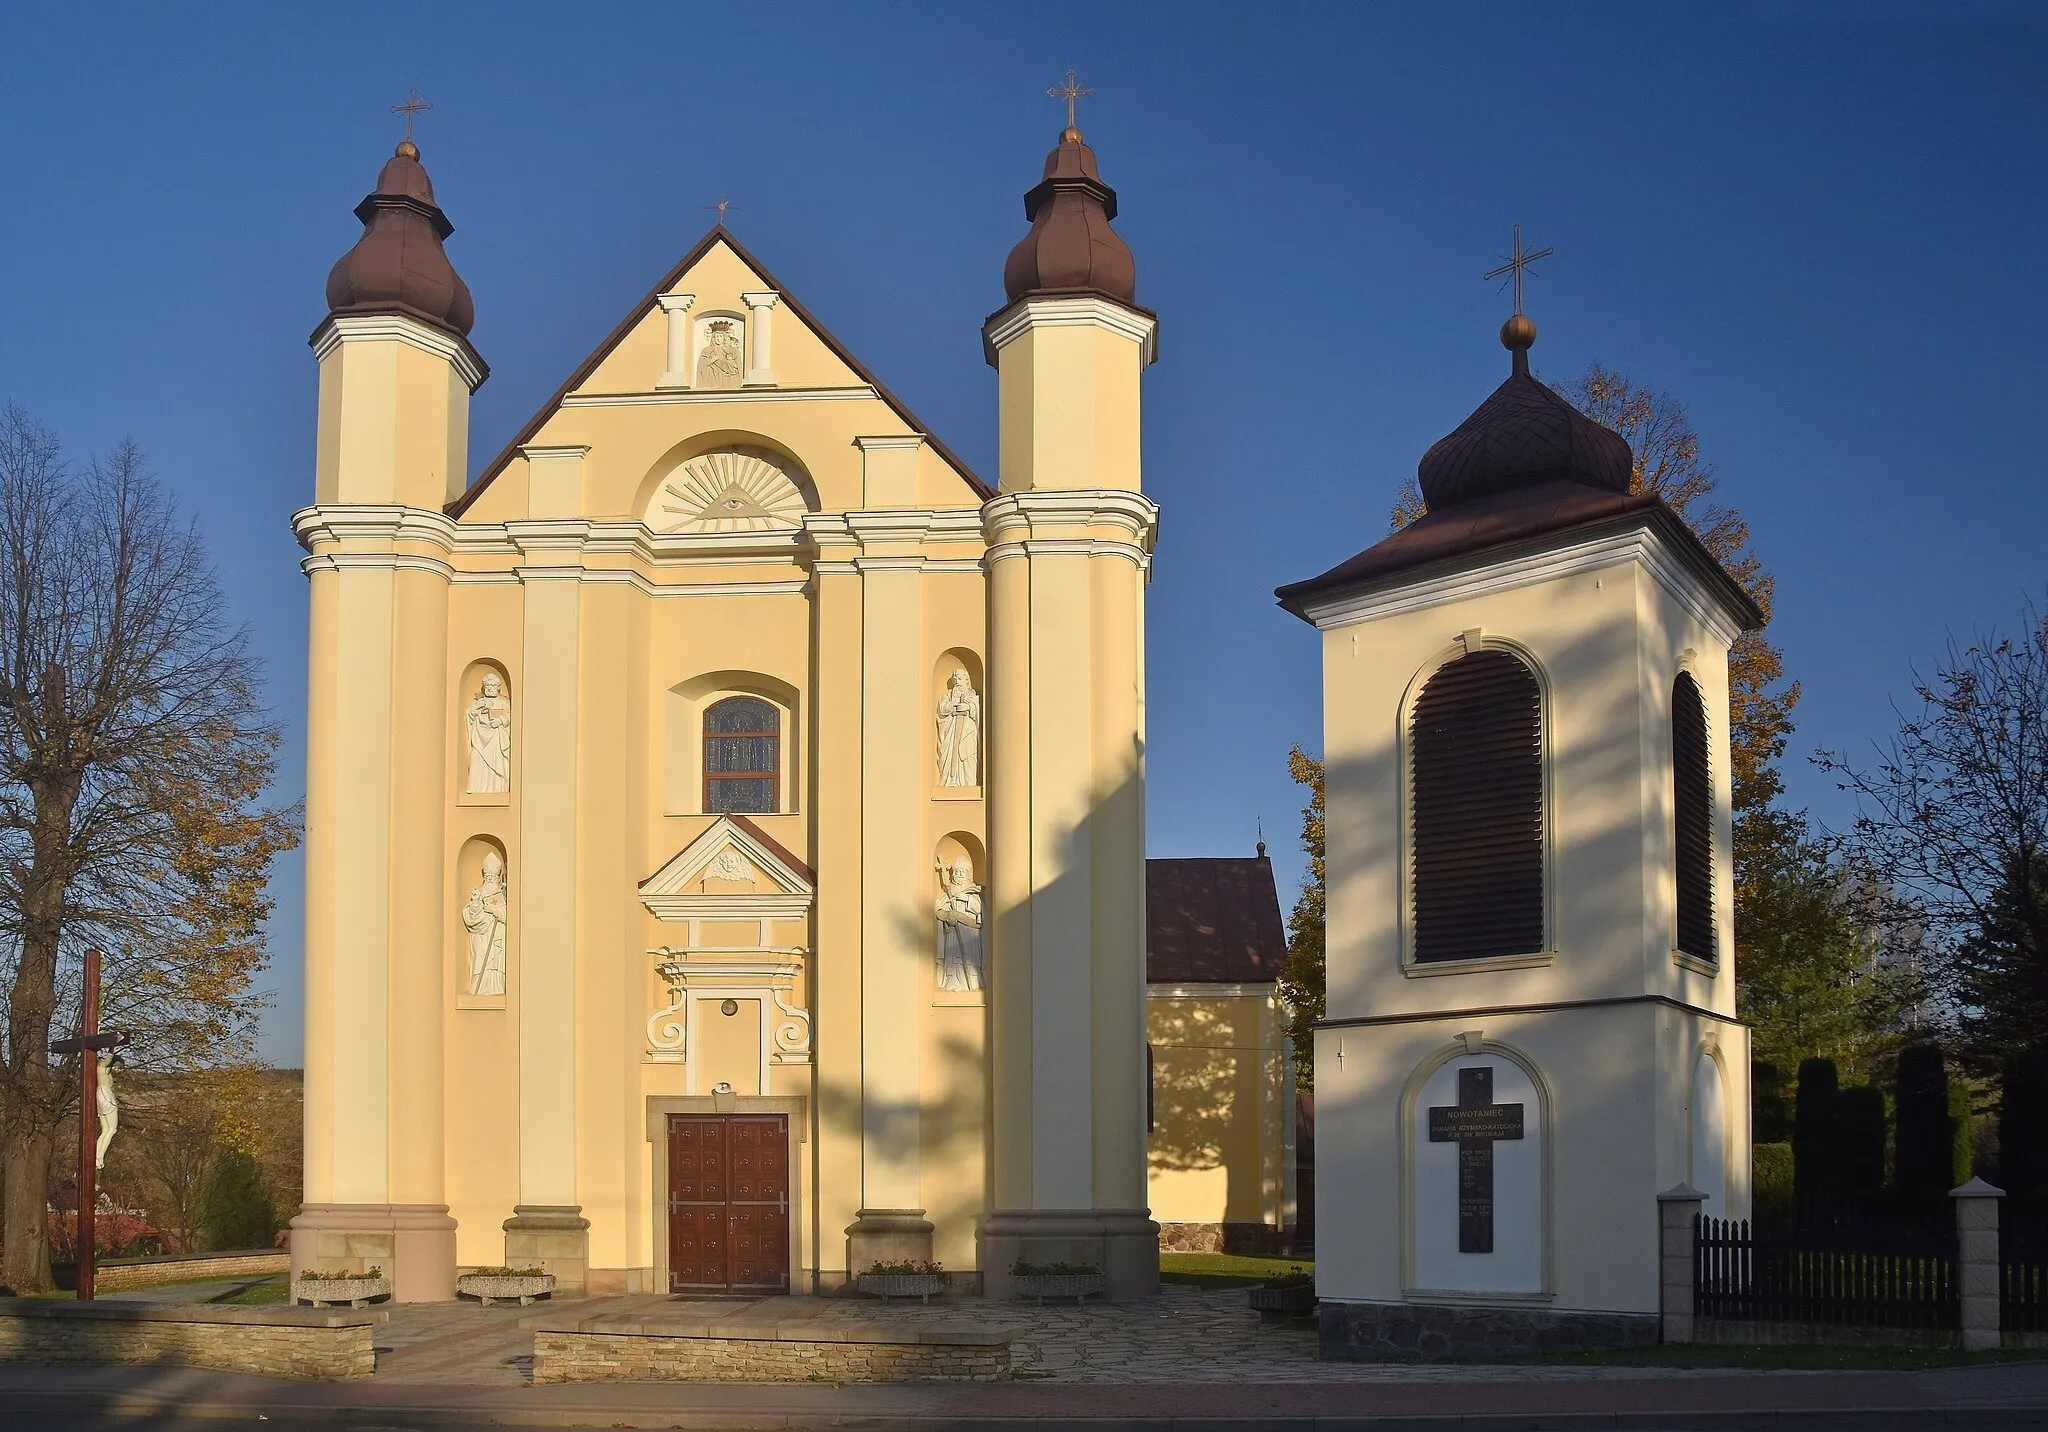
1977 1277
1678 1210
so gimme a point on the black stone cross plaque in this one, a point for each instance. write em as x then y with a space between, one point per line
1473 1124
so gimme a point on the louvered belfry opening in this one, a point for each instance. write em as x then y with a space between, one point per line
1692 804
1476 742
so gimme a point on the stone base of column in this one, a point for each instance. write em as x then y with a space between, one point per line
886 1235
1122 1242
413 1243
554 1238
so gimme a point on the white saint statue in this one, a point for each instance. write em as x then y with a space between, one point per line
108 1106
490 739
959 912
484 915
719 365
959 732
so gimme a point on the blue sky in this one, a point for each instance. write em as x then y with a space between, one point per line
1817 224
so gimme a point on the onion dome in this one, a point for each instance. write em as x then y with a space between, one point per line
1071 247
1521 436
398 265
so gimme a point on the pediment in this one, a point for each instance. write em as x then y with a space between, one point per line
732 870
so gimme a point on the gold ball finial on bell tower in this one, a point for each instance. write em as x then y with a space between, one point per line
1518 334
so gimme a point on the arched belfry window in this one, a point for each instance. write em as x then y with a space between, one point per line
1476 769
742 756
1692 807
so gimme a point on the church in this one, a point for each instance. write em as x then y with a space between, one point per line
725 813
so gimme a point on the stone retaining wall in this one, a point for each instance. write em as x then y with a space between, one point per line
272 1342
621 1349
113 1277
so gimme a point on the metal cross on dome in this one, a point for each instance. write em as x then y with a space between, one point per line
412 106
1516 263
722 205
1071 91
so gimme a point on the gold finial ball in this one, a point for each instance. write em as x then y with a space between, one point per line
407 150
1070 135
1518 332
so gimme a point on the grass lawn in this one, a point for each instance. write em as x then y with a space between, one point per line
1799 1358
1225 1270
274 1289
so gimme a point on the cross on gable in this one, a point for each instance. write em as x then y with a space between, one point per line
1473 1124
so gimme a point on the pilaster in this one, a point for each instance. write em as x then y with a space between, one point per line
894 879
546 1226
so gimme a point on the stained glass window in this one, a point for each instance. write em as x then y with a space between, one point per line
742 756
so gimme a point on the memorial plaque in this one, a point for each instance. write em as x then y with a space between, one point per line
1473 1124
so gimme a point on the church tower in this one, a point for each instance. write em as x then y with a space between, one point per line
1070 536
396 374
1531 1028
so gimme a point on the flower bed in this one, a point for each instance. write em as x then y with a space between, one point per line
912 1279
1057 1280
489 1285
326 1289
1290 1301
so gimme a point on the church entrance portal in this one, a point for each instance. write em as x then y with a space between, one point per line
728 1203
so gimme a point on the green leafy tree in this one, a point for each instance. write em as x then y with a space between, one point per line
234 1207
1303 979
134 753
1953 813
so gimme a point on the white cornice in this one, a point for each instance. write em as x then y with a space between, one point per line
889 441
718 395
396 327
1074 312
1002 517
1191 990
1490 573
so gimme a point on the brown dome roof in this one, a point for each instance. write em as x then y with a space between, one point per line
1071 247
398 265
1523 435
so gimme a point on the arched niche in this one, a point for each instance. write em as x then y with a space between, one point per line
687 702
1709 1120
486 736
1446 1248
726 483
963 947
472 935
946 783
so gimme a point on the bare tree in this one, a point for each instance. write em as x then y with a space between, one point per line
133 754
1954 814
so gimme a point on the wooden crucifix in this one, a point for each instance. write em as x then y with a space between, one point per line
1473 1124
88 1046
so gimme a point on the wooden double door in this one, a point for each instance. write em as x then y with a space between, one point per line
728 1203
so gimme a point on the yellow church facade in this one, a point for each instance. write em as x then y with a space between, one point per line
724 823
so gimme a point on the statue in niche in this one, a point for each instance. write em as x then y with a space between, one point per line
108 1108
490 739
959 912
719 365
960 732
484 915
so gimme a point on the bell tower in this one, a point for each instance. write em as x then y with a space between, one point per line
1070 537
396 374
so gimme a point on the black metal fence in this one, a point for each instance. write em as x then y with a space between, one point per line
1891 1272
2022 1270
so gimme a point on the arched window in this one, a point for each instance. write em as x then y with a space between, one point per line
742 756
1692 808
1476 748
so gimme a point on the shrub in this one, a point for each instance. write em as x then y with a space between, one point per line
1816 1163
907 1267
1860 1138
1025 1269
1924 1162
1771 1192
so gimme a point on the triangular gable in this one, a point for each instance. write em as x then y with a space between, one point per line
677 890
639 312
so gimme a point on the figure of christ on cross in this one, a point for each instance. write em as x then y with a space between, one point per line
88 1046
1473 1124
